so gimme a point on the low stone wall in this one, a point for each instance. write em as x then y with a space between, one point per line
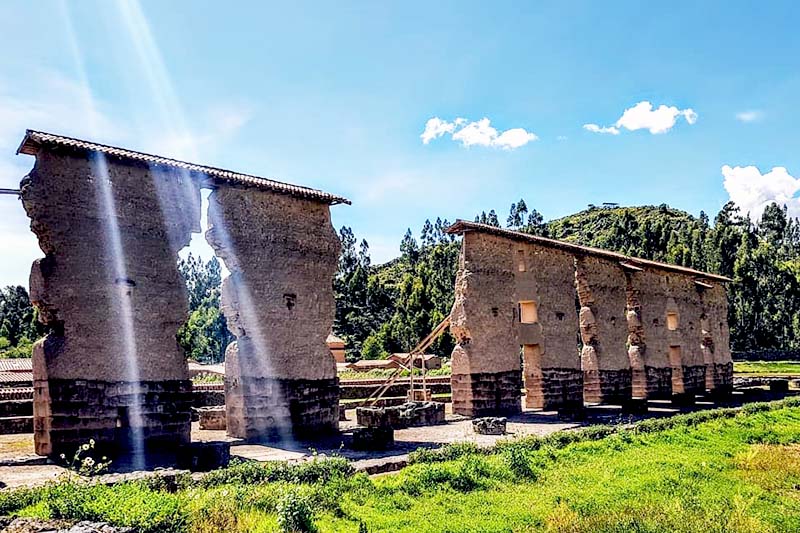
16 408
767 355
409 414
14 425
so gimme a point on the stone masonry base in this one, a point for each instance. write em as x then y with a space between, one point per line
719 377
557 388
659 382
271 409
694 379
486 393
68 413
607 386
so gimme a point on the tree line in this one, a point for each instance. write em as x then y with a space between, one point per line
388 308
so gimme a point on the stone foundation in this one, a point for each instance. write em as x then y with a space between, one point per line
607 386
487 393
719 376
659 382
557 388
273 409
67 413
694 379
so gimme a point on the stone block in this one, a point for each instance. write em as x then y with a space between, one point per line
401 416
490 425
212 418
373 439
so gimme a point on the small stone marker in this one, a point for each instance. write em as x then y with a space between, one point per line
490 425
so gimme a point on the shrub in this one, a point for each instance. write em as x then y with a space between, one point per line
251 472
295 514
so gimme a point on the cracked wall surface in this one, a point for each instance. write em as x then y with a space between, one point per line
282 253
109 288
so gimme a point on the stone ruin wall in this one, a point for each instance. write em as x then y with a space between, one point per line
628 351
715 344
604 330
648 341
686 356
486 362
82 386
555 380
282 253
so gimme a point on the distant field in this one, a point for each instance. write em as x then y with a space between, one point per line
767 367
723 471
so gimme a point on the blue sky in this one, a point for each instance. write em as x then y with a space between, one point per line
337 95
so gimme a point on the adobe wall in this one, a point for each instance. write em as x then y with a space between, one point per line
82 382
548 279
282 253
648 339
688 373
486 359
604 330
715 340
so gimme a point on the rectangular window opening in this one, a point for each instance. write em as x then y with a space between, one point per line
521 261
528 312
672 321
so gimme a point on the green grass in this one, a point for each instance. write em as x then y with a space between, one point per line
767 367
712 471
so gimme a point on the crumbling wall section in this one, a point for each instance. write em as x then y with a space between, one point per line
109 288
282 253
486 361
551 361
604 330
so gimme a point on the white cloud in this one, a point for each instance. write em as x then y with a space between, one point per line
752 191
752 115
594 128
561 138
643 116
478 133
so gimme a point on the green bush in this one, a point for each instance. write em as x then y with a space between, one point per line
251 472
295 514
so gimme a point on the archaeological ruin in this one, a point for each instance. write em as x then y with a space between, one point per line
111 222
580 324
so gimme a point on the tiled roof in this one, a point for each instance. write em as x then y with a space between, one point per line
7 378
463 226
16 365
34 140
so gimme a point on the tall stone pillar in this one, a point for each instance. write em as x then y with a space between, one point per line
486 378
715 340
282 253
648 342
545 297
108 287
604 330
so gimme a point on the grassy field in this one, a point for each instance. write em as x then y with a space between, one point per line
767 367
712 471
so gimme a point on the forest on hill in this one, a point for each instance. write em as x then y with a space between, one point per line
387 308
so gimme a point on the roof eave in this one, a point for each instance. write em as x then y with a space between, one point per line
460 227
